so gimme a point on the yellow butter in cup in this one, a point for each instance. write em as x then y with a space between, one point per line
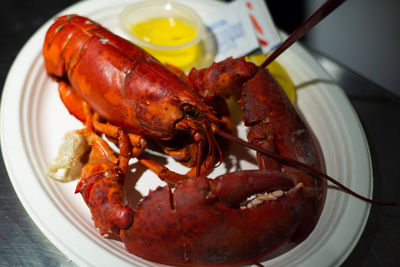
168 32
171 32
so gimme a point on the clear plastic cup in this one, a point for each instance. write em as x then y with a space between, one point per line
185 54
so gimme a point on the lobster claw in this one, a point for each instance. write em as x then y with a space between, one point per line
106 199
101 180
204 223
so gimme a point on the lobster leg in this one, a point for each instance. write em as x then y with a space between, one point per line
124 140
73 103
171 177
162 172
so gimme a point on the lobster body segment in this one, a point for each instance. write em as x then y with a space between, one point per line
119 90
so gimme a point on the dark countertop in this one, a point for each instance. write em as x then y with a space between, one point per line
22 244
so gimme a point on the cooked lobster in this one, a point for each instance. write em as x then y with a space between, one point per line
118 90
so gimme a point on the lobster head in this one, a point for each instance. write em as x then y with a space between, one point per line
169 110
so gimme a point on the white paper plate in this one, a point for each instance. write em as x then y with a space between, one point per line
33 121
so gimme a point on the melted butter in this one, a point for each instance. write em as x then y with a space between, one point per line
168 32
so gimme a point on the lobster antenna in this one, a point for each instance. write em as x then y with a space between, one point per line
199 158
300 165
313 20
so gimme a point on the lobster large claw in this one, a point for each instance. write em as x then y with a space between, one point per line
204 222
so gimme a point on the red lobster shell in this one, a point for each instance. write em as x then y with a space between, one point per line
119 90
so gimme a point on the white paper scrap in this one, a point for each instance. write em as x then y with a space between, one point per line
263 25
231 30
242 27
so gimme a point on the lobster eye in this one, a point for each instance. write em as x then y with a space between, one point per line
192 112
